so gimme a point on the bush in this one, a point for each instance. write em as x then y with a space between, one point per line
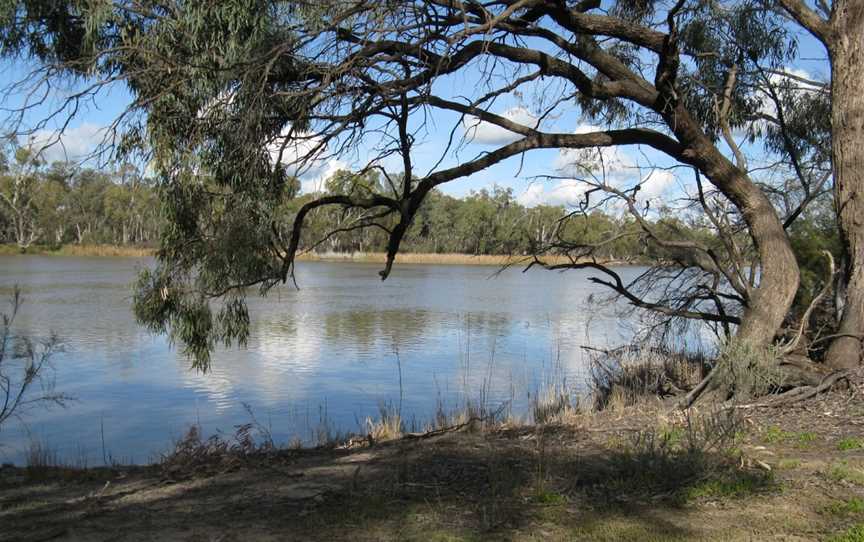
747 372
624 375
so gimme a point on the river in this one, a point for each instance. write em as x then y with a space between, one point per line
326 355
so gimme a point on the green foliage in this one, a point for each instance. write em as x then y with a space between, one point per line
806 439
548 498
811 235
62 204
775 434
850 443
853 534
788 464
842 471
729 488
852 506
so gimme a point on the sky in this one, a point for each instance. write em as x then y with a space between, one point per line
523 174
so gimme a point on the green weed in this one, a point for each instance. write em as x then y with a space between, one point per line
729 488
853 534
842 472
853 506
850 443
788 464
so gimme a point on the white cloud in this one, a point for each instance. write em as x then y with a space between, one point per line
595 161
567 192
796 78
73 145
571 192
304 159
654 186
486 133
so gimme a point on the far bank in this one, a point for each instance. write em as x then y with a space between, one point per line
425 258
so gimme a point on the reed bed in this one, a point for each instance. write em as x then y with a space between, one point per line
432 258
423 258
79 250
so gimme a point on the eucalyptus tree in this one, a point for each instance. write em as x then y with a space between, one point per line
839 26
230 100
19 196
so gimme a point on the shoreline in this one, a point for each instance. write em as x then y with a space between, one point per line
110 251
423 258
640 471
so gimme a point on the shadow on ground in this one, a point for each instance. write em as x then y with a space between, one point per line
555 483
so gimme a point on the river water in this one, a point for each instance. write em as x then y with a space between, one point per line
326 355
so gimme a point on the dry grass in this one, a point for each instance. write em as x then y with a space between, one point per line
626 375
388 425
429 258
362 257
79 250
664 475
105 250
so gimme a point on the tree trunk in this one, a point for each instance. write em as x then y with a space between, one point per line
847 129
769 302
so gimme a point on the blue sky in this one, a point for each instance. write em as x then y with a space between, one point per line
521 173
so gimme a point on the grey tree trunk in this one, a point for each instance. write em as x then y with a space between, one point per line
846 50
769 302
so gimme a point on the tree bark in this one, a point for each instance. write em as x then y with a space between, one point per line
769 302
846 50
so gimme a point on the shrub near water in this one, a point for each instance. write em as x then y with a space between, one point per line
622 376
747 372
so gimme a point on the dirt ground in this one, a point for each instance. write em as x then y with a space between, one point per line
640 473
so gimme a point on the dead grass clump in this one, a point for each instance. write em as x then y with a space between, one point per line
622 377
550 406
556 404
388 425
41 456
193 454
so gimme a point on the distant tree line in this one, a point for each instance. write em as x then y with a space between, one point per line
486 222
57 204
61 203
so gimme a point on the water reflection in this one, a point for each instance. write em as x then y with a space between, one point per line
342 341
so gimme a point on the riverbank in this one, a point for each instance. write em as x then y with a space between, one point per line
79 251
640 472
425 258
361 257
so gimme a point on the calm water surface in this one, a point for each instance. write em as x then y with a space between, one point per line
331 351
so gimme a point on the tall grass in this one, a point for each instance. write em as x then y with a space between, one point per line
78 250
40 455
615 380
623 376
428 258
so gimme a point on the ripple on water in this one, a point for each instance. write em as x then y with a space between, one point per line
332 350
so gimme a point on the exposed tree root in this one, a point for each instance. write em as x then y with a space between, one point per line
804 378
802 392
